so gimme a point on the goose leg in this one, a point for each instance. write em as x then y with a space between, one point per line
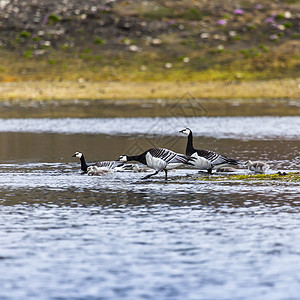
166 176
209 171
148 176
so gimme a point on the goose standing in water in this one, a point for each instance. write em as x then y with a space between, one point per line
159 159
216 160
101 167
259 167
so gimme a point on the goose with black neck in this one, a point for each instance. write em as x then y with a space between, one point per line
159 159
212 159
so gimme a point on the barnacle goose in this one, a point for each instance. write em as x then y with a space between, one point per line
159 159
101 167
214 158
257 166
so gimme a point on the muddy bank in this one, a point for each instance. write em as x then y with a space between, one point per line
115 90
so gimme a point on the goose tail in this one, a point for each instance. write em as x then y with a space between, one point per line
233 162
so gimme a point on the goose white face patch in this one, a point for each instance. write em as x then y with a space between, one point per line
122 158
248 163
78 154
186 131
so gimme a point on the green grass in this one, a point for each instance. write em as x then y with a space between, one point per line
253 64
291 177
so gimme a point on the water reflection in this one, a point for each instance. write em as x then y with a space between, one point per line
54 148
147 108
124 192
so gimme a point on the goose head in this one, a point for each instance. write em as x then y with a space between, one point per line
77 154
248 163
123 158
186 131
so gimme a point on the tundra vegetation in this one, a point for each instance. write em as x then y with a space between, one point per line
149 49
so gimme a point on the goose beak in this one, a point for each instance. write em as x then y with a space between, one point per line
74 155
181 131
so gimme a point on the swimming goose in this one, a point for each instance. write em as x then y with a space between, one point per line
257 166
214 158
100 167
159 159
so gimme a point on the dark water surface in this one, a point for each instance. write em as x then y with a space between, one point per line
185 105
65 235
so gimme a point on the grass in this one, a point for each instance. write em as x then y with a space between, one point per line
85 74
157 50
100 63
79 89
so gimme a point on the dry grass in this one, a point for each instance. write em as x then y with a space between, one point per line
272 89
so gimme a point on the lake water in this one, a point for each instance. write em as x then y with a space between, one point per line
65 235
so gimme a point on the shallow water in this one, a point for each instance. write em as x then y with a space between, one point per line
69 236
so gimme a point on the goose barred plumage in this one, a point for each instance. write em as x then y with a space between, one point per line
100 167
216 160
257 166
159 159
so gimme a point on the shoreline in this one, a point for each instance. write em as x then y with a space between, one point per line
182 107
112 90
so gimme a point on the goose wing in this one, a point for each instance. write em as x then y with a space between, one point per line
109 164
215 158
170 156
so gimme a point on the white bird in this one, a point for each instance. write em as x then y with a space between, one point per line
101 167
139 168
257 166
159 159
205 159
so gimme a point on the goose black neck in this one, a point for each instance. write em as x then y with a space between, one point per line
189 146
140 158
84 166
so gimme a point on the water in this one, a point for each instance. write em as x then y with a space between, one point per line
218 127
65 235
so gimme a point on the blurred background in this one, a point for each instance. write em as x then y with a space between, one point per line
121 40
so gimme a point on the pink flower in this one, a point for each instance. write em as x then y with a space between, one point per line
259 6
273 37
270 20
171 22
222 22
238 11
104 8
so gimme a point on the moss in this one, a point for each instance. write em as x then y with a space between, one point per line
25 34
28 53
99 41
52 19
158 13
292 177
